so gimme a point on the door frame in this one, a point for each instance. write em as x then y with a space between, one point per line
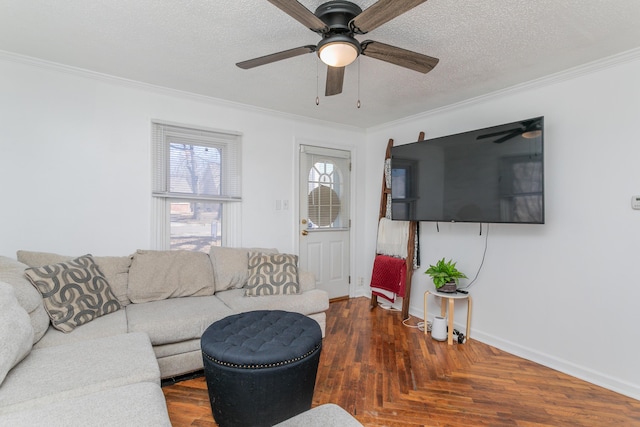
353 208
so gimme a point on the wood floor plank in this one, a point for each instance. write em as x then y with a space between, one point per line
387 374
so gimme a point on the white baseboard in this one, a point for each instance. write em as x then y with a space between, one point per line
561 365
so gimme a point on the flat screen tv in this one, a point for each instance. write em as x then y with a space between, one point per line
491 175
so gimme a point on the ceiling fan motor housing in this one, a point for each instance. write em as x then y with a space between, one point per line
344 47
337 15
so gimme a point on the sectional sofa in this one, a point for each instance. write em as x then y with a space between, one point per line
87 340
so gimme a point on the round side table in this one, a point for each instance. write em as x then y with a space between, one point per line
451 298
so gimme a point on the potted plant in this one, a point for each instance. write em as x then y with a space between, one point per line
445 275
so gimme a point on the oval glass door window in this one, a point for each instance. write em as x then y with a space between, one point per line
324 206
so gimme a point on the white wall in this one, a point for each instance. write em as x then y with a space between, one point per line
75 160
566 293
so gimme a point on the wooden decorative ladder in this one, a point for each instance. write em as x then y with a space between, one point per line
413 226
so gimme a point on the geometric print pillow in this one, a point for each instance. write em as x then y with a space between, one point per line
272 274
75 292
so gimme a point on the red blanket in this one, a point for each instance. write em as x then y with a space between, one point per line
389 274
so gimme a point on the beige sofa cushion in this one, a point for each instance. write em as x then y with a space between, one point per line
140 404
230 266
16 333
12 272
74 292
38 259
103 326
52 374
314 301
176 319
307 280
327 415
159 275
114 268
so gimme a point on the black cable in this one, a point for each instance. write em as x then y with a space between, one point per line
484 254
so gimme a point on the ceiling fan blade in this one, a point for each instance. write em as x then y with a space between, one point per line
301 14
335 78
491 135
267 59
380 12
398 56
507 137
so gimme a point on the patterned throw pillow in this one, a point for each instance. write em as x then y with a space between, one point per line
75 292
272 274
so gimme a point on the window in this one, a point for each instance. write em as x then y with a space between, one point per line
403 188
521 188
196 187
324 185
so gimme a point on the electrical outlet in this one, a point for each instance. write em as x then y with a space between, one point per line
360 282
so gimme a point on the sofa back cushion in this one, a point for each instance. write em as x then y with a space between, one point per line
158 275
74 292
16 333
114 268
12 272
231 266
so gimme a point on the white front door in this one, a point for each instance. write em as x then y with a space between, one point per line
324 217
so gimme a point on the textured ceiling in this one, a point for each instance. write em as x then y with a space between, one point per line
193 45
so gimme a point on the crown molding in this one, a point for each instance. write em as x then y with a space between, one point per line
569 74
572 73
134 84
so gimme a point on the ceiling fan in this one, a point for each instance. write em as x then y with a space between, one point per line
528 129
338 22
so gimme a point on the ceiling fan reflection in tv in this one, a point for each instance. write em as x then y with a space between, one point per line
527 129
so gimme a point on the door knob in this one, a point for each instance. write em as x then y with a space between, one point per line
305 232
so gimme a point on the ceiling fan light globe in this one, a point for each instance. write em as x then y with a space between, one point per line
532 134
338 52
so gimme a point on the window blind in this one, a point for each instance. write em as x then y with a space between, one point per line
198 164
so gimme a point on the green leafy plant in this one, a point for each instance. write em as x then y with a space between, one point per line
444 272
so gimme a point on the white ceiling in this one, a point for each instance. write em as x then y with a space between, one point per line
193 45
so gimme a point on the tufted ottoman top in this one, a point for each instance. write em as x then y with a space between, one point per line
261 339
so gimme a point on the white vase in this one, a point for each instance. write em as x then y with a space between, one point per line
439 329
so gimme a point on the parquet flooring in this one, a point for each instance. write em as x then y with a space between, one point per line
387 374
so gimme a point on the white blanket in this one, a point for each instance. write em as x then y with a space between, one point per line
393 237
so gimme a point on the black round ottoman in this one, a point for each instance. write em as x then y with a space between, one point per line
260 366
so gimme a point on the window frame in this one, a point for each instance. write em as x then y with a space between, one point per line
163 134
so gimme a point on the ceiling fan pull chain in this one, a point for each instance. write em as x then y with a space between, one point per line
358 104
317 82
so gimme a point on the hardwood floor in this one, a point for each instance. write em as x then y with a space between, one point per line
387 374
